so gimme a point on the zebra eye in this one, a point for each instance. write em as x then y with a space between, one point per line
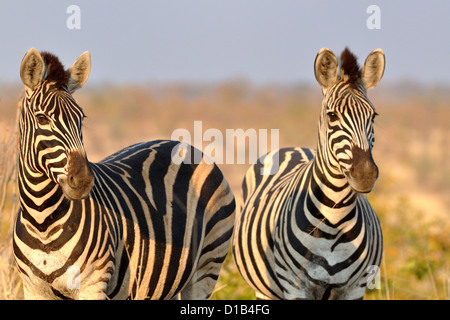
332 116
42 119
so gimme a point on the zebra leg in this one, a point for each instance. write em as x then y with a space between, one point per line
198 288
30 294
260 296
93 292
203 281
94 281
219 227
215 250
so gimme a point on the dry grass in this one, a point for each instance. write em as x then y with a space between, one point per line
412 139
10 285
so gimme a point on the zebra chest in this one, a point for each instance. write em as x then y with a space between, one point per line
55 274
58 274
49 262
59 261
43 252
46 273
323 258
313 267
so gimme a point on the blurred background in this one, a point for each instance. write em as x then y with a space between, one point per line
160 65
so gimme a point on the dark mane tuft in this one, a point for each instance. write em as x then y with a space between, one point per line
350 68
55 71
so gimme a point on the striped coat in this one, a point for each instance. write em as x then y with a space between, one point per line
135 225
307 231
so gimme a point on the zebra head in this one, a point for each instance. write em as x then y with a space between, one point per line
51 142
346 134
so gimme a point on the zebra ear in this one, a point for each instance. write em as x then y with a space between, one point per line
79 72
373 69
326 68
32 69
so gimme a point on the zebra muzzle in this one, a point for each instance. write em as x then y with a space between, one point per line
364 172
78 181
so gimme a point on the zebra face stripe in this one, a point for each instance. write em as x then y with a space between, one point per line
51 139
347 135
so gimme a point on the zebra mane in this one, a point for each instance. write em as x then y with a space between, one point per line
350 71
54 70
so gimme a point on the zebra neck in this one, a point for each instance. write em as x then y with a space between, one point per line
329 192
41 199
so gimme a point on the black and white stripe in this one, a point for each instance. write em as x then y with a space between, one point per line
307 231
135 225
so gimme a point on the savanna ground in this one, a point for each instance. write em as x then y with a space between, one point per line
412 150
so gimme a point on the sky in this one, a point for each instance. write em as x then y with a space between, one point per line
261 41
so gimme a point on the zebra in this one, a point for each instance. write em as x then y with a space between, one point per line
135 225
307 231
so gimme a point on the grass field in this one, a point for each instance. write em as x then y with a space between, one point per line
411 150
